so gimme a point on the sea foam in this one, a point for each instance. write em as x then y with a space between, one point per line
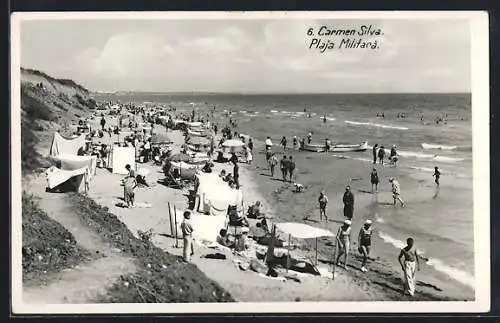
372 124
437 146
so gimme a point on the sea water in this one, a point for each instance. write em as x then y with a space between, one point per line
442 223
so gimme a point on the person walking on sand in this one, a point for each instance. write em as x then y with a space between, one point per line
129 184
291 167
343 238
381 155
437 175
323 201
187 237
364 242
103 123
284 167
374 153
348 200
273 161
295 142
374 180
409 261
283 142
396 192
309 137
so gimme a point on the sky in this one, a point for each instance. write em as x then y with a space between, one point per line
249 55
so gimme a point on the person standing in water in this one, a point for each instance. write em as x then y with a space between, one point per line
283 142
269 143
437 175
396 192
291 167
409 261
381 155
374 179
364 242
374 153
323 201
284 167
343 242
273 161
295 142
348 200
328 145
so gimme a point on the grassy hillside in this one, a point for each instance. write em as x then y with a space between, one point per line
47 105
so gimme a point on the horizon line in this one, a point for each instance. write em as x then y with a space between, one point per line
263 93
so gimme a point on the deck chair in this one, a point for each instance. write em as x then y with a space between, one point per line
173 182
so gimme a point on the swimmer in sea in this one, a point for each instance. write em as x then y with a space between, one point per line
436 175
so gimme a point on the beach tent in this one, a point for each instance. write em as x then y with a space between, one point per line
206 228
56 177
67 146
215 195
122 156
303 231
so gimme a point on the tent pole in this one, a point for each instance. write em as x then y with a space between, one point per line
175 218
288 258
170 220
316 251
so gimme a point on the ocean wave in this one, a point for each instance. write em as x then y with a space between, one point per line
439 265
274 111
403 153
437 146
329 118
375 125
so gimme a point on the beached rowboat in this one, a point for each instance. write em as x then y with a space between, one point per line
337 147
196 133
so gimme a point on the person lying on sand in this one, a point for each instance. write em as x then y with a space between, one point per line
411 261
364 242
343 242
254 211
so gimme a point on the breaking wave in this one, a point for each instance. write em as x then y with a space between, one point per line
356 123
436 146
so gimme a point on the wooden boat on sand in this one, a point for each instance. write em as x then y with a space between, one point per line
337 147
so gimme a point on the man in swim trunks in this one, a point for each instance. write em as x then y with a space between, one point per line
284 167
348 200
273 161
323 201
364 242
396 192
409 261
374 153
381 155
374 179
343 242
291 167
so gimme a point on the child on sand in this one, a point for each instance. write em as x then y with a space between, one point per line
187 236
396 192
344 242
436 175
410 257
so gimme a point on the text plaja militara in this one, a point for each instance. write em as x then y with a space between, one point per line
325 38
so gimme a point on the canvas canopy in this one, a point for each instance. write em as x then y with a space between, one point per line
194 124
233 143
205 228
67 146
122 156
215 195
303 231
72 162
56 176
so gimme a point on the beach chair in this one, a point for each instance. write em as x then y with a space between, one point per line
173 182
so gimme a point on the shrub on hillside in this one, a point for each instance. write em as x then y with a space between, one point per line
47 245
33 106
